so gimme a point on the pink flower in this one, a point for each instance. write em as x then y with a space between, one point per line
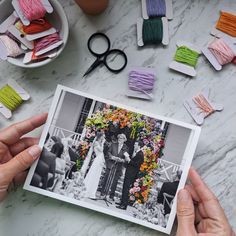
131 198
136 189
136 184
88 135
131 191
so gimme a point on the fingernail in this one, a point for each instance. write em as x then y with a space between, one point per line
183 195
34 151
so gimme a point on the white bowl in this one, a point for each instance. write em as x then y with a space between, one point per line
58 19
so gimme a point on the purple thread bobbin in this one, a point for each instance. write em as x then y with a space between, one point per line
156 8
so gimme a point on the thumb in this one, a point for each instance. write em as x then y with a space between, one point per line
22 161
185 214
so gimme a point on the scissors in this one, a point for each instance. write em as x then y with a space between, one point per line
102 58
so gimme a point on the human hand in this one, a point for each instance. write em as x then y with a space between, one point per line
204 218
126 154
117 159
18 153
127 159
113 158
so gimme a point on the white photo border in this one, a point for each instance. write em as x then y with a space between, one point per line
189 152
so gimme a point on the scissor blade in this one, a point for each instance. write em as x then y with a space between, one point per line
93 66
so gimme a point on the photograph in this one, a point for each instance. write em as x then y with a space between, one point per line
113 159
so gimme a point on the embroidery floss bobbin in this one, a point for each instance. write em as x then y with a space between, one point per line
156 8
221 51
152 31
203 105
37 26
9 48
186 58
227 23
200 106
32 9
225 27
36 30
141 83
11 97
47 44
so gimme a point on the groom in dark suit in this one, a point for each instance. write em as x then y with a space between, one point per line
133 166
115 160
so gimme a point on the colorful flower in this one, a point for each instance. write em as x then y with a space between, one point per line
141 127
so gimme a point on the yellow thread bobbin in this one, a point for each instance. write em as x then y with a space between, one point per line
10 98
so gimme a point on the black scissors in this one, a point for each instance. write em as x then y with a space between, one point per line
102 58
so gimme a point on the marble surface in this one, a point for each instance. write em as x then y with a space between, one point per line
25 213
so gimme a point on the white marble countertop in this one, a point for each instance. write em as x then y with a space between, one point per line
25 213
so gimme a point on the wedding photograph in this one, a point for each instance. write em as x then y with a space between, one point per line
111 159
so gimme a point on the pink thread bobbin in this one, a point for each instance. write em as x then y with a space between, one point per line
221 51
203 104
9 48
32 9
46 42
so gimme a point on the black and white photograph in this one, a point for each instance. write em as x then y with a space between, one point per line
105 157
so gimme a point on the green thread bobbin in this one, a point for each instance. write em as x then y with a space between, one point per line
187 56
152 31
10 98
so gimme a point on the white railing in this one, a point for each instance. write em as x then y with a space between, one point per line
65 134
167 170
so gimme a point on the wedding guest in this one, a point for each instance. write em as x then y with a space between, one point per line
170 189
45 171
133 166
93 176
58 147
114 164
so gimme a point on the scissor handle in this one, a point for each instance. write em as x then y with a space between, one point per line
93 37
116 52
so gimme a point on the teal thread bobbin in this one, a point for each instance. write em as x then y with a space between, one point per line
152 31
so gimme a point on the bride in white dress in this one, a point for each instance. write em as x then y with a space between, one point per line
92 178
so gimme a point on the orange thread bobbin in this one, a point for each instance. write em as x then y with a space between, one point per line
227 24
37 26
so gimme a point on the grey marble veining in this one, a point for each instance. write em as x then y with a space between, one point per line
28 214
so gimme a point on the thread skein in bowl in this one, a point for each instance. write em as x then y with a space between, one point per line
58 19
